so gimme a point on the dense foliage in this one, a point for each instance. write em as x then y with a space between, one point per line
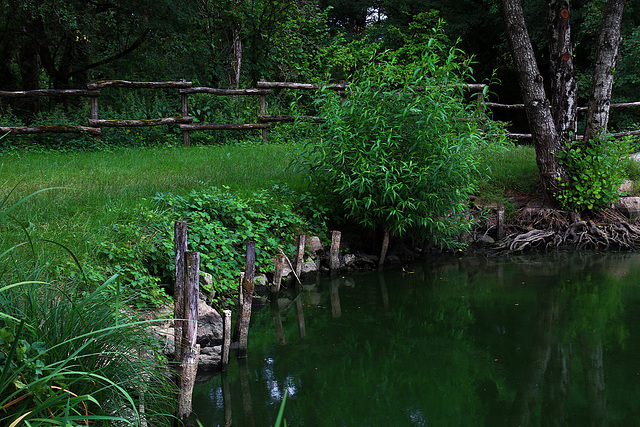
219 225
596 172
400 151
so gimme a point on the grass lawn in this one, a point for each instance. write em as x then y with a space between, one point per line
98 189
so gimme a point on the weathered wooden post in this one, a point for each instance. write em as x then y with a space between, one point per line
334 254
299 255
180 247
185 114
95 109
500 222
247 298
190 351
277 274
226 337
385 246
263 112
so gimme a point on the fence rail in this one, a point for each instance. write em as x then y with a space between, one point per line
185 121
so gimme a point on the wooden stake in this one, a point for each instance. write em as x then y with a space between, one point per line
180 247
226 337
190 351
299 255
385 246
277 274
334 254
185 113
247 298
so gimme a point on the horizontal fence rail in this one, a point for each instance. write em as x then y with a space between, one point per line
185 123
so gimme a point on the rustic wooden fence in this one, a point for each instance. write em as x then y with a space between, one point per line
185 121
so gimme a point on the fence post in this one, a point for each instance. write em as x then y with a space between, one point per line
263 112
247 298
180 247
95 108
185 113
190 351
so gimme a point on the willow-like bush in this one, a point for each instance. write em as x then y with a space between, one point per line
400 152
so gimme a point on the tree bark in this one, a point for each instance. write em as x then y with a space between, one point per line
546 138
608 43
564 90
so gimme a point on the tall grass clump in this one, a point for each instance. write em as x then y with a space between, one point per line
70 354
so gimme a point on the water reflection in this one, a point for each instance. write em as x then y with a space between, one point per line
544 340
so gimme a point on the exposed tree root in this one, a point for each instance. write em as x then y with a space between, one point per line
541 229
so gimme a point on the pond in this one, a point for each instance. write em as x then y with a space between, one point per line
538 340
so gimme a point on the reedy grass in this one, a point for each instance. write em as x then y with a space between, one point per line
68 356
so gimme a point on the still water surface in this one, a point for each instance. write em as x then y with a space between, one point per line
536 340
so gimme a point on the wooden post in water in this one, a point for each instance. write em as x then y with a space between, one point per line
277 274
190 351
236 328
385 246
180 247
226 337
247 298
334 254
500 220
299 255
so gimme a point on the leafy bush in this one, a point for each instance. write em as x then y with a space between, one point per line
219 225
401 151
595 169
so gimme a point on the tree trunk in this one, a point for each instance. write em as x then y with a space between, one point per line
564 90
608 43
547 140
236 62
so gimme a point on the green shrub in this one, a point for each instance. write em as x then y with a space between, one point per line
596 170
219 225
401 151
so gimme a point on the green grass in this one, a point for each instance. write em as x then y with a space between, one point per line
102 188
512 171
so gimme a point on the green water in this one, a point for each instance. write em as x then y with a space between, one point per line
537 340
